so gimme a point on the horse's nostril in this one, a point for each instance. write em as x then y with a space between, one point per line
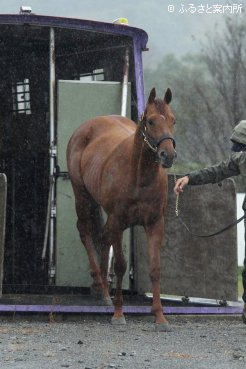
167 158
163 155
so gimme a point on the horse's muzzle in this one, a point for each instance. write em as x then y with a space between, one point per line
167 159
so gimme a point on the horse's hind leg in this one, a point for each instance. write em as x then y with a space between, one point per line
87 210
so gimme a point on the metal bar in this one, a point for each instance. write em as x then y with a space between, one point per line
13 217
46 232
127 309
125 83
52 144
139 75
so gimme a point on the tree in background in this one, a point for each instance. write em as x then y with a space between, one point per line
225 57
209 92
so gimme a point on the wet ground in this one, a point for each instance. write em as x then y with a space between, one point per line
50 341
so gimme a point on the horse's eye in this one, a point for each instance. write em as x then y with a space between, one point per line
150 122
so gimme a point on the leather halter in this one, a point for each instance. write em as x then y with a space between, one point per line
152 142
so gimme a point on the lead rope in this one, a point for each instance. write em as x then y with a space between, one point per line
177 213
177 199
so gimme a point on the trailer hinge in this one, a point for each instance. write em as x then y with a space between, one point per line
53 211
223 302
52 271
131 273
53 151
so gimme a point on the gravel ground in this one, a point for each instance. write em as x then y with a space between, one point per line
194 342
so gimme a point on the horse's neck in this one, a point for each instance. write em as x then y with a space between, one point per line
143 166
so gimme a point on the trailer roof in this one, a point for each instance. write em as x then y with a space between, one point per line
75 24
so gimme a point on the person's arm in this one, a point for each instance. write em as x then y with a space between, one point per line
216 173
213 174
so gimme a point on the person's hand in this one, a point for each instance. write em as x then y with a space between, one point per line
180 184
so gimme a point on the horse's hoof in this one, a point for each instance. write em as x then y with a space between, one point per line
118 320
99 299
162 327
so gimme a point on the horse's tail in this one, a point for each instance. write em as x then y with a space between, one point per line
97 221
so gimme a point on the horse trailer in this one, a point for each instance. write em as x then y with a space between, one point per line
55 74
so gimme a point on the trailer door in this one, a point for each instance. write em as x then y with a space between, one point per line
200 267
77 102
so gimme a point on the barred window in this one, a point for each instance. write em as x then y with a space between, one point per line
96 75
21 97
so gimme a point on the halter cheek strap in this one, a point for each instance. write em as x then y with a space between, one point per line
153 143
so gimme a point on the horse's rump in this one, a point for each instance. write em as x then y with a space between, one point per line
96 142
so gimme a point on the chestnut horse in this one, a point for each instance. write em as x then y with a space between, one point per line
120 166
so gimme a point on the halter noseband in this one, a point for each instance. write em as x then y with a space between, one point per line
152 142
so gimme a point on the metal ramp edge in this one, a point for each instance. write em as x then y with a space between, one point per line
84 309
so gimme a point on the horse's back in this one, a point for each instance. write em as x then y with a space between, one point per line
101 127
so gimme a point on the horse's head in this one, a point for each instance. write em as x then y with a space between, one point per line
157 128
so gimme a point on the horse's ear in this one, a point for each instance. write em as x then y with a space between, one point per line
152 96
168 96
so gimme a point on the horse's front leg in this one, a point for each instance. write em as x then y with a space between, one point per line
155 233
119 269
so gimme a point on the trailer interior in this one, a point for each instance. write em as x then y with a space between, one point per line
25 130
